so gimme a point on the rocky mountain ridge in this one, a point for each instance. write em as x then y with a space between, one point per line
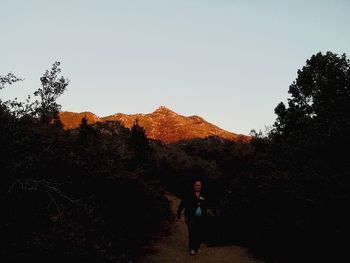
162 124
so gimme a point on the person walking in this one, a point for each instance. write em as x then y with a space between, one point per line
195 205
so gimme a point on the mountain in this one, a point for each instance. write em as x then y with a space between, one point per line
163 124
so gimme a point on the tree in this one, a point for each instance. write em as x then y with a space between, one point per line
315 124
85 130
46 109
138 138
52 87
309 139
139 145
9 79
320 98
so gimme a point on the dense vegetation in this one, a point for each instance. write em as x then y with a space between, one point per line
85 195
284 194
80 194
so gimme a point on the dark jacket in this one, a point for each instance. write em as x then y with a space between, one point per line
190 203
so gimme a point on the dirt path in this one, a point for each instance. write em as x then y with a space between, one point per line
173 248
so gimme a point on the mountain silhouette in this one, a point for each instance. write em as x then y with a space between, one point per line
162 124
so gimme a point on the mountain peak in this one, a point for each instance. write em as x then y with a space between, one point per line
163 109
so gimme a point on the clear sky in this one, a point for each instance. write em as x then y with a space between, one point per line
230 62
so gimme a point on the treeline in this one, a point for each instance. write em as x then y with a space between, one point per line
85 195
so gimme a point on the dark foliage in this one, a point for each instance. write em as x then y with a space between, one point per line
73 196
285 194
79 195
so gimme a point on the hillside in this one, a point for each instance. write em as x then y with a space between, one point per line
163 124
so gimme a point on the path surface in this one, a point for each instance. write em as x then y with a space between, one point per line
173 248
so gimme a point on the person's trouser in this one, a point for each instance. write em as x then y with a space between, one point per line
195 231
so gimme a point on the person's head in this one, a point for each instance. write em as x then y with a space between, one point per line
197 185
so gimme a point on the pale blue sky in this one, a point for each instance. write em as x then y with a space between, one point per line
230 62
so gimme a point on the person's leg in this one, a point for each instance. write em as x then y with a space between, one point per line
196 234
201 228
189 224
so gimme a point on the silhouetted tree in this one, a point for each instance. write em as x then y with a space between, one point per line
8 79
309 139
320 97
85 130
52 87
139 143
315 124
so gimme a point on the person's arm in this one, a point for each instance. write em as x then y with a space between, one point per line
208 207
210 212
180 208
